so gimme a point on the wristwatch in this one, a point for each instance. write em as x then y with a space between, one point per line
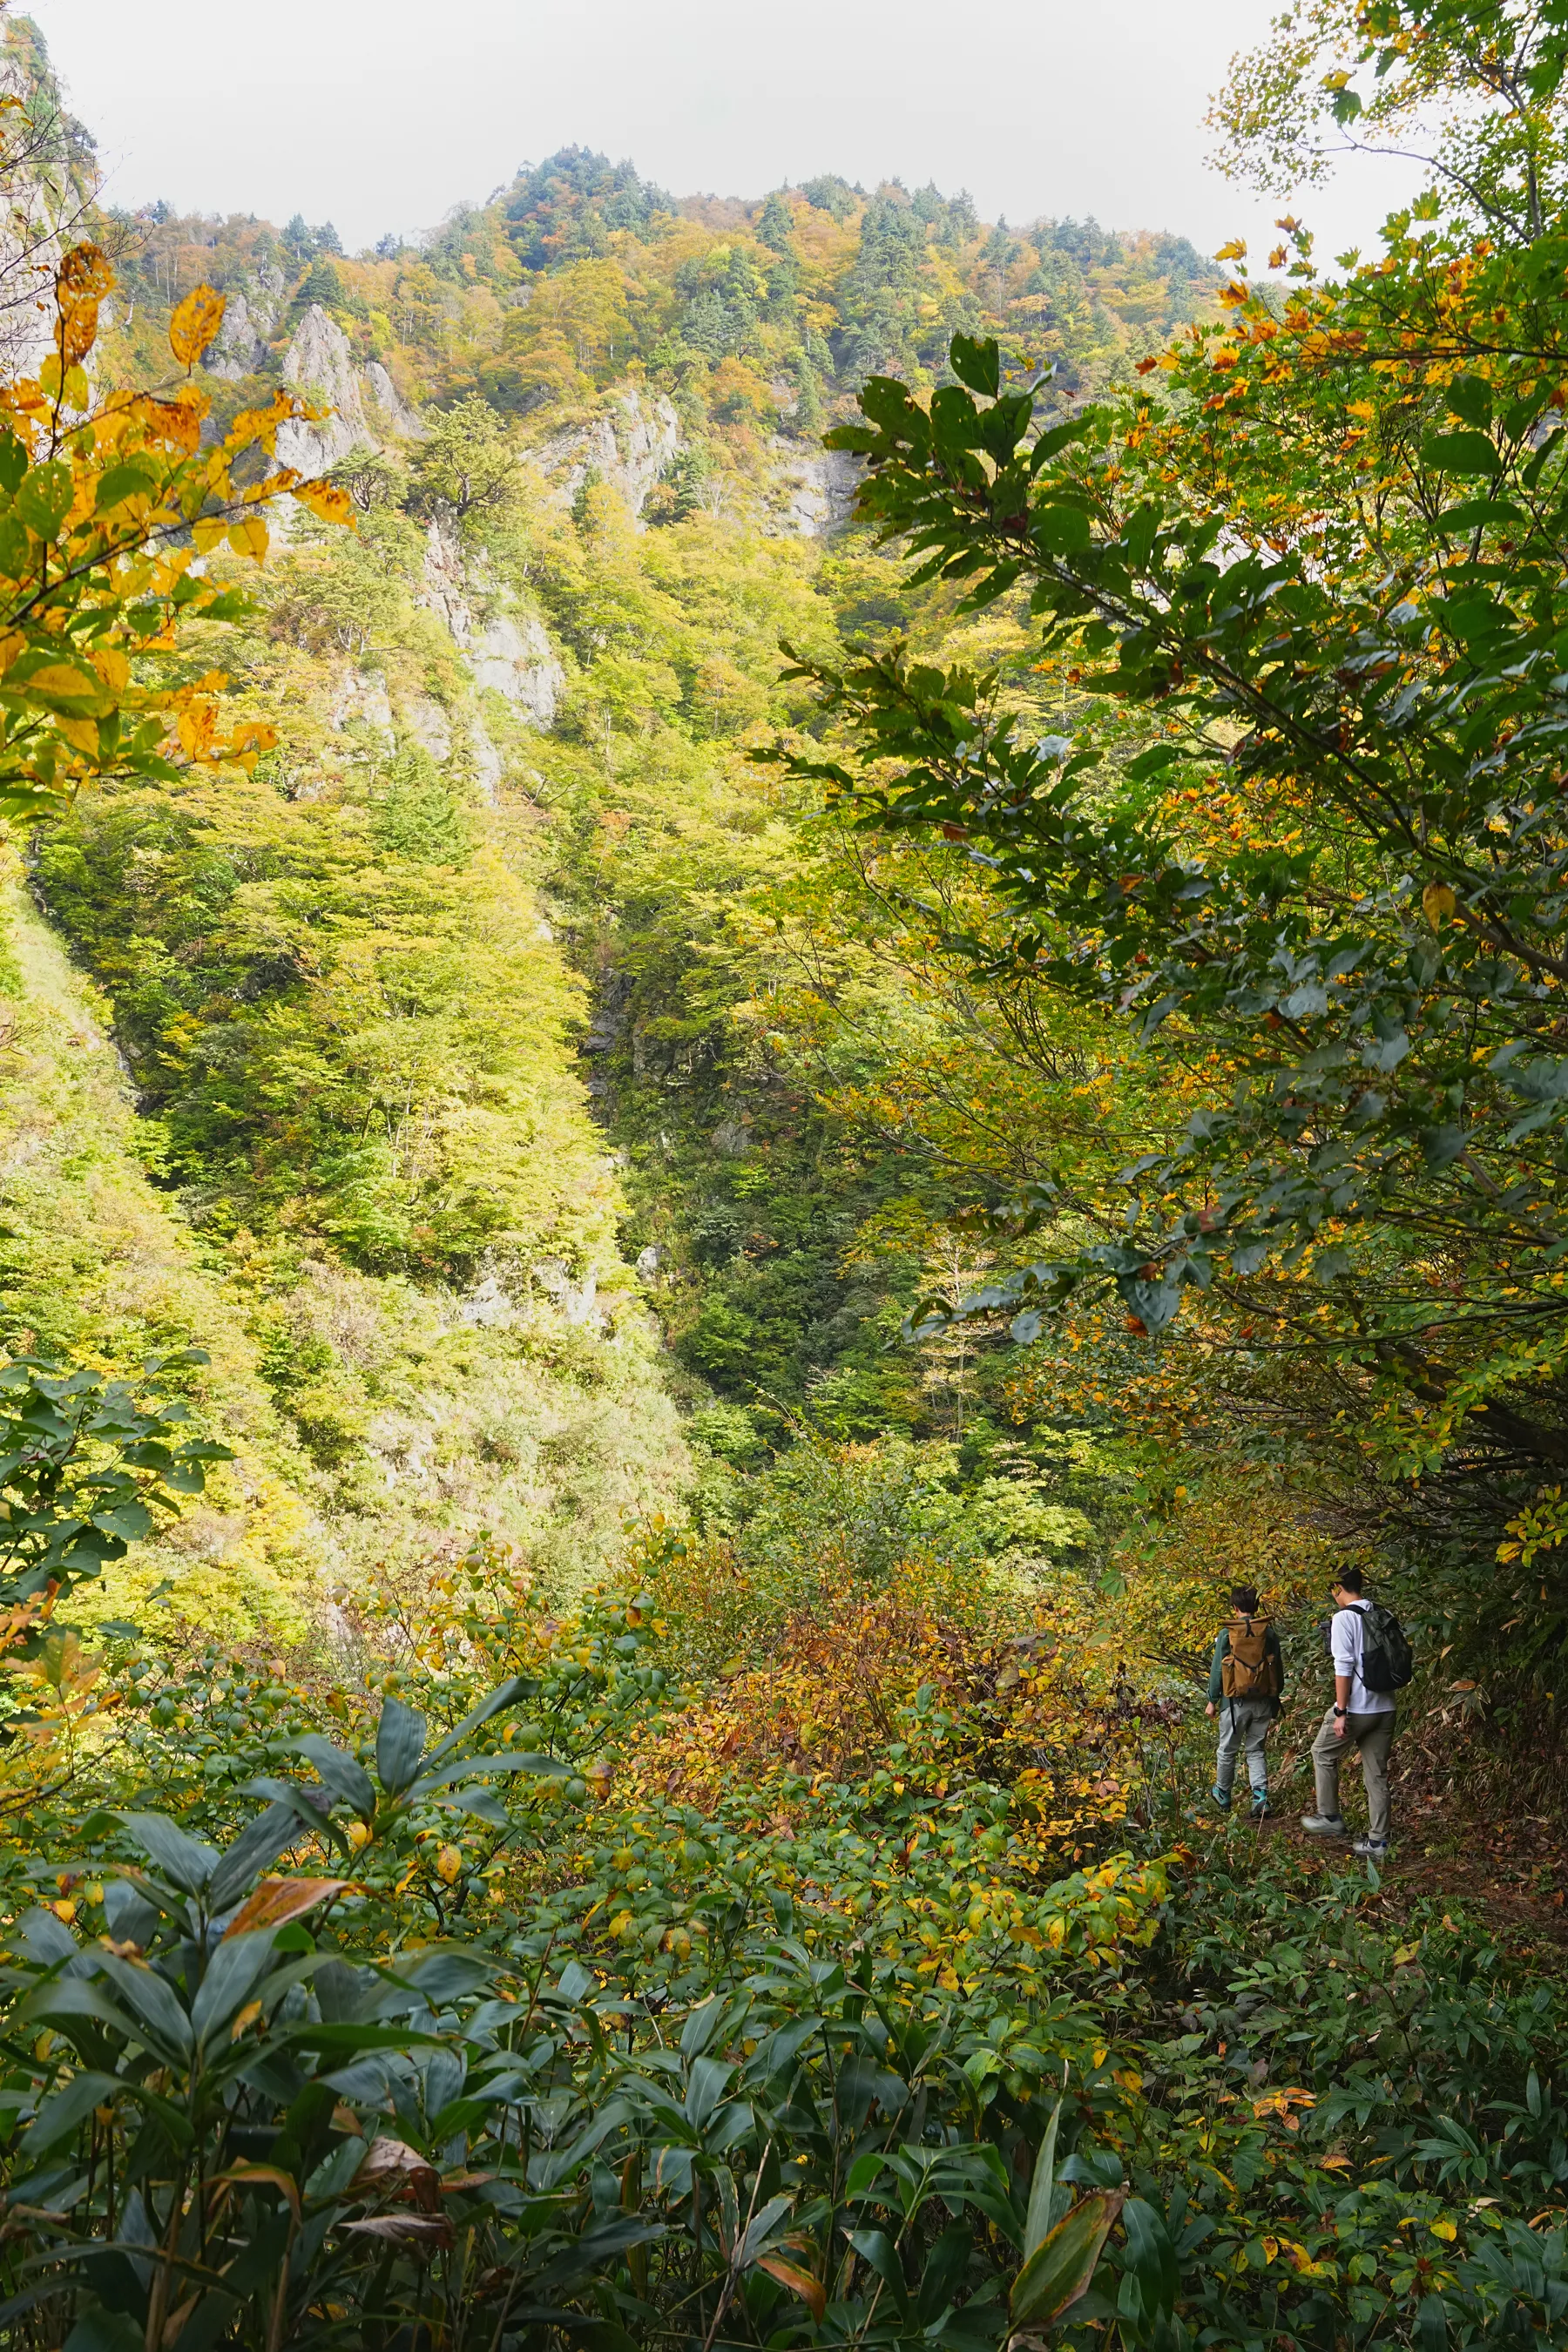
1341 1710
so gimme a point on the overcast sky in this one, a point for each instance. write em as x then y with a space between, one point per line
382 114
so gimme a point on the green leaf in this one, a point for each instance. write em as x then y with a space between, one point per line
232 1971
1470 397
1463 453
183 1860
67 2109
399 1745
1037 2221
123 482
505 1695
44 496
977 364
342 1776
1483 514
98 2330
1063 2264
474 1768
153 1999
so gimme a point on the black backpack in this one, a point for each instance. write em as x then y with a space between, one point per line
1387 1661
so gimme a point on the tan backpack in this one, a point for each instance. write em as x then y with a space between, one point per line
1249 1668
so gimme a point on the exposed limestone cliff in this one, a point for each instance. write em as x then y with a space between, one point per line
508 651
812 492
319 364
629 448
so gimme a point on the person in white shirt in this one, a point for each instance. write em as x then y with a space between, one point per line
1359 1719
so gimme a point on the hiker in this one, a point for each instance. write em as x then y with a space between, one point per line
1245 1680
1372 1660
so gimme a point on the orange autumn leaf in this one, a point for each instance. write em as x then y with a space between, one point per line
81 281
275 1901
194 323
177 422
811 2290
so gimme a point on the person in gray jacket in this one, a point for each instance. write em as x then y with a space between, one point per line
1246 1677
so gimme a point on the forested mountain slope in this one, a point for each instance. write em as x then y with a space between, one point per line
680 1200
522 1068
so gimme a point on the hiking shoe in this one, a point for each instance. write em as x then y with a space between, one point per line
1374 1847
1324 1825
1221 1798
1260 1809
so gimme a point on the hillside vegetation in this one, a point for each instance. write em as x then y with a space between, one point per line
700 1129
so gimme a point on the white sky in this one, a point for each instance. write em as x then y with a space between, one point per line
380 114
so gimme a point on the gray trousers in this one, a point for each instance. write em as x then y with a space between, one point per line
1244 1723
1373 1736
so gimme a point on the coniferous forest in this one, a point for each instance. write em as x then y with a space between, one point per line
770 969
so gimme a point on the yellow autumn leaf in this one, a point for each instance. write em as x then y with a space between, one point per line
194 323
63 681
1437 903
1447 2230
245 2019
82 734
326 501
248 537
112 667
449 1864
1235 251
195 729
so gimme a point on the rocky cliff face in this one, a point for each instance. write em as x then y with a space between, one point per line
630 448
250 319
319 364
812 490
506 650
32 200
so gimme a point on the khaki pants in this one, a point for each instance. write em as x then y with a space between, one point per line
1373 1736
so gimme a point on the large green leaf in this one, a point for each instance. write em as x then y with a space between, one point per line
399 1745
1063 2264
1042 2189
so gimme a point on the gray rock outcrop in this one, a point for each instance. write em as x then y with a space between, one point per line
812 490
360 695
630 448
319 364
389 407
513 656
508 651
